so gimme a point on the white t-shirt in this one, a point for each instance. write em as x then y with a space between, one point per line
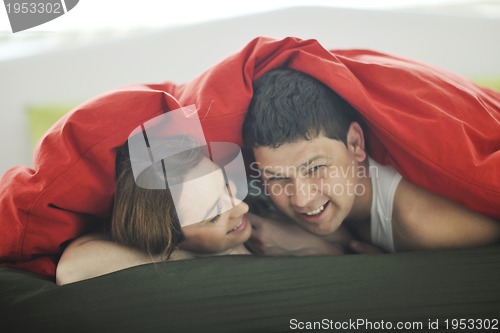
385 180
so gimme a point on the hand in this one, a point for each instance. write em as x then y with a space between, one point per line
273 236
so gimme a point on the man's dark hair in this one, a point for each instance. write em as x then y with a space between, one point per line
288 106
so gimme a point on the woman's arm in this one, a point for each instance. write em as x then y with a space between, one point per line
423 220
95 254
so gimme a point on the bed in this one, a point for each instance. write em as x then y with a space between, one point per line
264 294
250 293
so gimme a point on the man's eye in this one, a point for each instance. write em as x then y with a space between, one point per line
275 179
315 169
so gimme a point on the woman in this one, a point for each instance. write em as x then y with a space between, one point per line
152 225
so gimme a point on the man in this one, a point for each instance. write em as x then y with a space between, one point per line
309 148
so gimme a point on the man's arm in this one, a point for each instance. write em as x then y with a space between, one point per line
95 254
277 235
423 220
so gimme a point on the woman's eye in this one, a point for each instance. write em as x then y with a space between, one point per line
219 211
215 219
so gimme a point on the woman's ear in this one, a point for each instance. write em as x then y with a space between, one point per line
356 141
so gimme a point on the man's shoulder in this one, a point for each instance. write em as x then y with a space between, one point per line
411 205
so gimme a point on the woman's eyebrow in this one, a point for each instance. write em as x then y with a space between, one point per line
208 213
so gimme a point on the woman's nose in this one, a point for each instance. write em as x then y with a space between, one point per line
236 207
239 210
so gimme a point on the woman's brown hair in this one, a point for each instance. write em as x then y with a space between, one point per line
146 218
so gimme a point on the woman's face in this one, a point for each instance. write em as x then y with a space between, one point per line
208 199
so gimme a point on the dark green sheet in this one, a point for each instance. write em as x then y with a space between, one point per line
261 294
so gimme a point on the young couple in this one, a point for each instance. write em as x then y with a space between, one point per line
330 196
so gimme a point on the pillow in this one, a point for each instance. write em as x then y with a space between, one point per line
439 130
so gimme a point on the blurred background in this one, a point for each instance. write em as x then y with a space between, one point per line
102 45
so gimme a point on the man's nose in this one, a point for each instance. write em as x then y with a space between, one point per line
301 194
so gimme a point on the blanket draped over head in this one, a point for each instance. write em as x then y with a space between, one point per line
437 129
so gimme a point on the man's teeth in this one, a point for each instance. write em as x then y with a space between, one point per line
316 211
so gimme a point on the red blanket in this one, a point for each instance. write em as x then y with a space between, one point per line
439 130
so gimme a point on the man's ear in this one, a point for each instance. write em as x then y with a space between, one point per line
356 141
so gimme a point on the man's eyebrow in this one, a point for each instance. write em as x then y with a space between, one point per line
311 161
303 165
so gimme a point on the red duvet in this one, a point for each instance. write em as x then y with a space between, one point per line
439 130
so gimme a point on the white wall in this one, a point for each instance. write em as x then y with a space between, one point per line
466 45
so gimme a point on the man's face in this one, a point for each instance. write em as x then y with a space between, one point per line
315 182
